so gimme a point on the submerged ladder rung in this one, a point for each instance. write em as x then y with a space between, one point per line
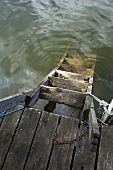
72 76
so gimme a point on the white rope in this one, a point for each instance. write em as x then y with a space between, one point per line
101 102
108 108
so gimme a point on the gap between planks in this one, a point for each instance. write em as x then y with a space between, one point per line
35 148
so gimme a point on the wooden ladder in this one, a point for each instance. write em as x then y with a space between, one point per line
70 89
66 84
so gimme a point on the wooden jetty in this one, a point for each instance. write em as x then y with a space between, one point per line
32 139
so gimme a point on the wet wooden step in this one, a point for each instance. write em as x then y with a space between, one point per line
63 96
72 76
68 84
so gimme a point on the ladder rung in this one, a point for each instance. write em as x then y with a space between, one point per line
72 76
63 96
75 85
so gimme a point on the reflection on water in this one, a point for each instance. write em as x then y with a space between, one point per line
35 33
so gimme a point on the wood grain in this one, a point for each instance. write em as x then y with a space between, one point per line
42 144
68 84
94 133
62 154
105 158
84 158
7 131
64 96
20 146
72 76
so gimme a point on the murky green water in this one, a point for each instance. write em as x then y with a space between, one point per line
35 33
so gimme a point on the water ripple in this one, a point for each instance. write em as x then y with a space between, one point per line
36 33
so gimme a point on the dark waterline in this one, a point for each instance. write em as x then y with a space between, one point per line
35 34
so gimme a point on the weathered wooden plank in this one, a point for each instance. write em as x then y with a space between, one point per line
1 121
42 144
12 101
29 96
68 84
72 76
87 105
64 96
93 126
32 97
7 130
84 115
88 101
20 146
62 153
84 158
105 158
86 108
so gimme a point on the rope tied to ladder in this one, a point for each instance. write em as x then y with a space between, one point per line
101 102
108 108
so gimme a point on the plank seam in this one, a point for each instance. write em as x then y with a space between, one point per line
1 121
74 150
97 152
52 147
11 141
72 160
32 141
